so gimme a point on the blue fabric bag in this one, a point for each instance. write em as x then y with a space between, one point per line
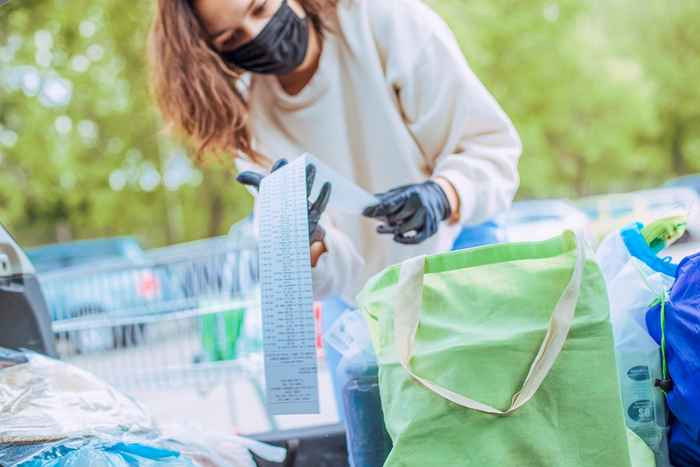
685 451
675 325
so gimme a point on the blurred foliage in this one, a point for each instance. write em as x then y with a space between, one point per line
83 153
596 89
604 94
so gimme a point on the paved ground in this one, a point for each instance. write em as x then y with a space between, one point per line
230 407
163 369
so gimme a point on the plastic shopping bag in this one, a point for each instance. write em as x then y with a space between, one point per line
46 399
368 442
55 415
88 451
636 277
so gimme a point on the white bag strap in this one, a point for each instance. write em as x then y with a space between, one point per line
409 292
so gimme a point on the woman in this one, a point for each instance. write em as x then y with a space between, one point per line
376 89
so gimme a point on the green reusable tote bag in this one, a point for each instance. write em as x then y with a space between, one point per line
499 356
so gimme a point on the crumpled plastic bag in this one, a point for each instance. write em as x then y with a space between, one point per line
211 449
53 414
174 446
45 399
632 286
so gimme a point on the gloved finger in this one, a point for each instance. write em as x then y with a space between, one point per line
376 210
250 178
279 163
316 209
408 239
322 201
386 229
310 177
389 204
372 211
408 211
414 223
317 235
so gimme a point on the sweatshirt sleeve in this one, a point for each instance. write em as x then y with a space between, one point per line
340 269
462 132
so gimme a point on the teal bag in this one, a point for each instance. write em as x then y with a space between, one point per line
499 356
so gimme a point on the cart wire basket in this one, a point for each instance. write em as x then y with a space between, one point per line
185 315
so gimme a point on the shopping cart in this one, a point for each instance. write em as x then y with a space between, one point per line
188 316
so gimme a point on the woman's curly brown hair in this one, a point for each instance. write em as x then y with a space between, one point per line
195 89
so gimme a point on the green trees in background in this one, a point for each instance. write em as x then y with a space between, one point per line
593 87
604 94
81 148
662 39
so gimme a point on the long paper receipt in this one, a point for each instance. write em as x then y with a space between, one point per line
289 341
291 371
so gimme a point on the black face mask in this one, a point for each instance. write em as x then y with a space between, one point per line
278 49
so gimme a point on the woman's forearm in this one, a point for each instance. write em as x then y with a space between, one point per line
452 197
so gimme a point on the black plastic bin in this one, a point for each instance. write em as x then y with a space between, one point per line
322 446
24 318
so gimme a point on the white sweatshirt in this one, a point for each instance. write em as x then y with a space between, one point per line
393 102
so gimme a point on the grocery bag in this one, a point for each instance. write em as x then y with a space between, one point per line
636 277
498 356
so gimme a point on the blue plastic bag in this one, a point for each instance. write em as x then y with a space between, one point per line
675 325
89 451
477 235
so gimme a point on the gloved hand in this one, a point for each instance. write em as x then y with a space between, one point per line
316 232
411 213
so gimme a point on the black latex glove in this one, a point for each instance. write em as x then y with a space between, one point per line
411 213
316 232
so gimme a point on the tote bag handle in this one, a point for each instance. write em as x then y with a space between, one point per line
407 315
